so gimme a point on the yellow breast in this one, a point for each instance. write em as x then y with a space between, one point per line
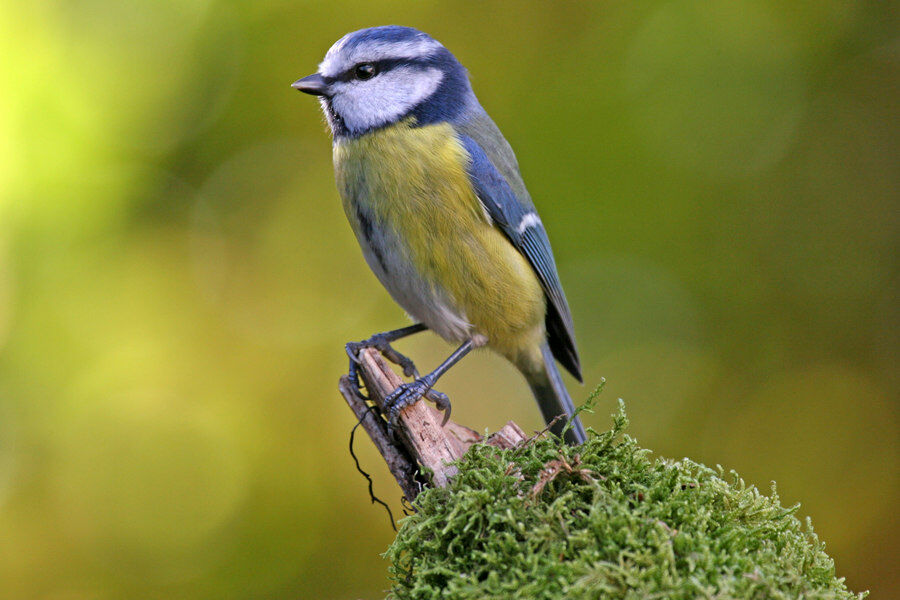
413 180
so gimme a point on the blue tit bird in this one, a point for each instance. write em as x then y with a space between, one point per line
433 193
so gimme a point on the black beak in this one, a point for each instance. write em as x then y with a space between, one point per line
314 84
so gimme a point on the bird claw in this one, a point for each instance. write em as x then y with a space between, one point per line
381 343
441 402
353 374
408 393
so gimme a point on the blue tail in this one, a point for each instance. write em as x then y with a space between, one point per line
553 399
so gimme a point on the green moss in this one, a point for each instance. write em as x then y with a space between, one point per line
603 520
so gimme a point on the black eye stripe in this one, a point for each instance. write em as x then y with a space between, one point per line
381 66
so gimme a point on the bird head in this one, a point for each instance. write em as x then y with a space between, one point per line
375 77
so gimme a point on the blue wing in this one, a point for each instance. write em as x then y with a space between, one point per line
514 214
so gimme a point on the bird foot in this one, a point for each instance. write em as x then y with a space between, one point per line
408 394
380 342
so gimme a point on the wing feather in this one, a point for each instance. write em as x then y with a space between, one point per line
506 200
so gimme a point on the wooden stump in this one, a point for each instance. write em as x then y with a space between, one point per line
422 444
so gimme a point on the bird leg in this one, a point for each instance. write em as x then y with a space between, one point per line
408 393
382 343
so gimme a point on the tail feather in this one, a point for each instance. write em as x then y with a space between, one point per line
553 399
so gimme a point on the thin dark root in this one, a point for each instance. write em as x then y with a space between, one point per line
372 495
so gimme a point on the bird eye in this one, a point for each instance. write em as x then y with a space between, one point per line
365 71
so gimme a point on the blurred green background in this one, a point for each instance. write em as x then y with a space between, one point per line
177 279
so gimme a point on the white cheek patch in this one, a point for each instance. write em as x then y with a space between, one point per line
385 98
337 61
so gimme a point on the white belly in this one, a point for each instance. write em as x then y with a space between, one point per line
423 301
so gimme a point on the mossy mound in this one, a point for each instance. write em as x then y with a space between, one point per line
603 520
